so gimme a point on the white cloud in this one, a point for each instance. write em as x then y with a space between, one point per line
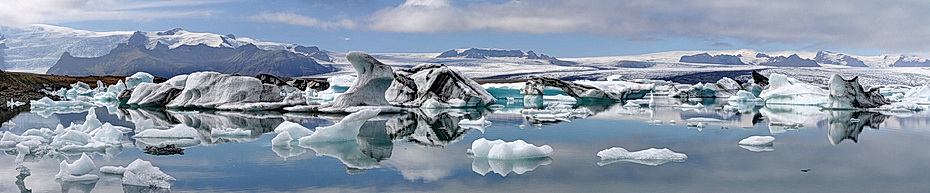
22 12
297 19
890 25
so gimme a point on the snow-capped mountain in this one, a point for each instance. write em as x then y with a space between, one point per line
748 57
884 60
39 46
484 53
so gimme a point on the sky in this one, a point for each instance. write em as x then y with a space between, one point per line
561 28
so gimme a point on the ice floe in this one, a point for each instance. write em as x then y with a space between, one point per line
651 156
140 173
758 141
784 90
79 170
502 150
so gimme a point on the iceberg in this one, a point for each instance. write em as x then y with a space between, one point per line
150 94
108 134
179 131
723 88
479 124
620 89
140 173
138 78
536 85
295 130
47 103
79 170
374 78
784 90
744 96
212 89
501 150
848 94
229 132
344 130
651 156
758 141
438 86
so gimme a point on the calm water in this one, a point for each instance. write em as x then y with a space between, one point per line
424 151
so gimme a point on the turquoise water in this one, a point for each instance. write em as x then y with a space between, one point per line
424 151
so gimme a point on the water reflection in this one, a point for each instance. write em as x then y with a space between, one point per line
484 166
432 127
849 124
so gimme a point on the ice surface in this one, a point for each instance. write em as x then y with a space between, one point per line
744 96
178 131
479 124
501 150
47 103
150 94
108 134
373 80
620 89
758 141
344 130
211 89
651 156
282 139
783 90
137 78
229 132
294 130
79 170
341 81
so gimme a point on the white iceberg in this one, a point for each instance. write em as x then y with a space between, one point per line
294 130
229 132
501 150
47 103
374 78
784 90
758 141
179 131
138 78
212 89
141 173
344 130
79 170
436 86
108 134
744 96
651 156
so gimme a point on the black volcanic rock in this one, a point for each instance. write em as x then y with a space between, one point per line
791 61
706 58
759 79
127 59
303 83
270 79
828 57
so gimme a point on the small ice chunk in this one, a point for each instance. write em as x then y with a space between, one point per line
341 81
758 141
108 134
345 130
501 150
179 131
78 170
137 78
282 139
294 129
141 173
651 156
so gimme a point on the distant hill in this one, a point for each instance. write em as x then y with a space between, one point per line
485 53
163 61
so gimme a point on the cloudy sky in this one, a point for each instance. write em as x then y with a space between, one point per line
562 28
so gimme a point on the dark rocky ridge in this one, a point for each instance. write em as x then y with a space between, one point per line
706 58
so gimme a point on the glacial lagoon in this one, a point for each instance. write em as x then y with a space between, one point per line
424 150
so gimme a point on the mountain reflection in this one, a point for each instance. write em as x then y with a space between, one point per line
848 124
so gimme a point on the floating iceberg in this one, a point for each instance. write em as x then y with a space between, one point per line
47 103
289 132
150 94
79 170
723 88
744 96
536 85
212 89
651 156
229 132
848 94
479 124
179 131
344 130
501 150
437 86
784 90
138 78
374 78
758 141
140 173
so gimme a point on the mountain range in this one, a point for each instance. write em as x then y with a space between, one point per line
165 61
38 47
